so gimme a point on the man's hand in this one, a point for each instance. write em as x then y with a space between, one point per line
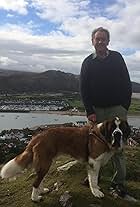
92 117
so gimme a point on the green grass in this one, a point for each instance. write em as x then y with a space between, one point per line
17 193
75 101
135 107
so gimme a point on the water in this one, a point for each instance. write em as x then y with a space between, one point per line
134 121
23 120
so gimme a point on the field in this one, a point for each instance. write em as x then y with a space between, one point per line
17 193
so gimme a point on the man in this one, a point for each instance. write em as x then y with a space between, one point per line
106 93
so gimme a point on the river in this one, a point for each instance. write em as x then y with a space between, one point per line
23 120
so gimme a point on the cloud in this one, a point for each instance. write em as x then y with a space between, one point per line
29 43
19 6
125 30
59 10
5 61
10 15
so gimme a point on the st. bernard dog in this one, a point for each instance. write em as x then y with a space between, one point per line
94 144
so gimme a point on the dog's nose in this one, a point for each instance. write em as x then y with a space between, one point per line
117 134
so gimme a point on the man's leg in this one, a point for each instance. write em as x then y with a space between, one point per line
119 178
119 165
118 159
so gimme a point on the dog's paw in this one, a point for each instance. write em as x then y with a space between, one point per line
36 195
36 199
97 193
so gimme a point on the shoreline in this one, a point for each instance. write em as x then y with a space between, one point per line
47 112
62 113
70 113
76 113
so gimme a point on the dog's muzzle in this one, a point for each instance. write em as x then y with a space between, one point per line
117 138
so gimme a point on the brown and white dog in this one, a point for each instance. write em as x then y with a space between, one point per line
93 144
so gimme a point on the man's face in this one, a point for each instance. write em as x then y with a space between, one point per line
100 41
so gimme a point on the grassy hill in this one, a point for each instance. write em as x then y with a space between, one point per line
17 193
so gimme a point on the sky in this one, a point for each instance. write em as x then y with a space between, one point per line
40 35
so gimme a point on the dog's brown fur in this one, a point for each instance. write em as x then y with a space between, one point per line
75 141
54 141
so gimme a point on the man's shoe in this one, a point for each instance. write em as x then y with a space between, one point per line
127 197
117 190
121 192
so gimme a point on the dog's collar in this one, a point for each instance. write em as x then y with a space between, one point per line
99 137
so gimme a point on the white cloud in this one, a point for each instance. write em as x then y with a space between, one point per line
134 61
10 15
59 10
19 6
15 32
65 48
5 61
124 28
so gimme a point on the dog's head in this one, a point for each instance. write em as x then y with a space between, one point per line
115 131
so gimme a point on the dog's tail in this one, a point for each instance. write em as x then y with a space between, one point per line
16 165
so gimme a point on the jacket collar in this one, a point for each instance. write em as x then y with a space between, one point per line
94 55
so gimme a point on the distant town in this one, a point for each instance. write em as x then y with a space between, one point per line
32 105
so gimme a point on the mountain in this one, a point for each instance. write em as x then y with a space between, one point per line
135 87
4 72
48 81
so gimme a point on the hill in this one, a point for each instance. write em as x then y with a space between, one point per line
135 87
17 193
48 81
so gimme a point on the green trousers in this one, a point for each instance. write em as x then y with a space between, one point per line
118 158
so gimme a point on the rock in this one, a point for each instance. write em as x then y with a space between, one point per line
57 185
67 166
94 205
66 199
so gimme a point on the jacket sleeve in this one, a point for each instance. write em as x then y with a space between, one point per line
126 85
85 89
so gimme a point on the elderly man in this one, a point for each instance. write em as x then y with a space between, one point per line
106 93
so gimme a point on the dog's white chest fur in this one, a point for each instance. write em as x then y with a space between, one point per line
93 172
102 159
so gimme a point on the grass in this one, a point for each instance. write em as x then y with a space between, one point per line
76 102
17 193
135 107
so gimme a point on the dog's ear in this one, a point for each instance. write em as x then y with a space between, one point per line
105 129
125 129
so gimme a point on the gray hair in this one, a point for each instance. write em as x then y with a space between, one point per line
101 29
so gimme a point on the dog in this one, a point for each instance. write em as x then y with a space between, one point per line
94 144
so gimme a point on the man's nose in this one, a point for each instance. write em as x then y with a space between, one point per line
100 41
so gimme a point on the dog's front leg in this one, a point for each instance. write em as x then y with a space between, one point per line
93 173
36 194
42 190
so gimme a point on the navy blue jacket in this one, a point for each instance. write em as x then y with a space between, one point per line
105 82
